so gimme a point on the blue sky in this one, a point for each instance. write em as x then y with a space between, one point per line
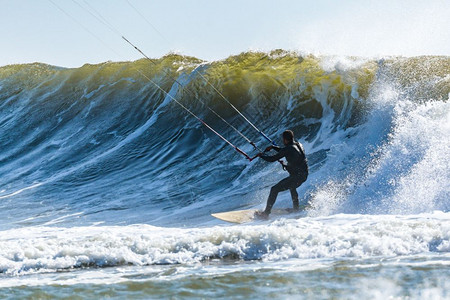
36 30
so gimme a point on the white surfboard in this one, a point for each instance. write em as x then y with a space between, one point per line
248 215
237 216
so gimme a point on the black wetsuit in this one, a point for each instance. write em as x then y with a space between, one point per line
297 166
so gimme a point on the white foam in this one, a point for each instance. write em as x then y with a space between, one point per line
45 249
397 161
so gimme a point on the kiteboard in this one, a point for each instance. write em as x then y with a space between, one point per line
248 215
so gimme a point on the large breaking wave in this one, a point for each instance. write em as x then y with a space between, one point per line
101 144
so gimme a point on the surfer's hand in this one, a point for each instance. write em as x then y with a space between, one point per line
268 148
259 154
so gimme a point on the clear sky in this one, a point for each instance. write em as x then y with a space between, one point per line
37 31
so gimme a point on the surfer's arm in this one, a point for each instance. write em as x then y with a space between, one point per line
276 148
272 158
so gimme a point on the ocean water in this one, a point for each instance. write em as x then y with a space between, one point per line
107 185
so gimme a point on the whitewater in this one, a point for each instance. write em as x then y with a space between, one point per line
107 184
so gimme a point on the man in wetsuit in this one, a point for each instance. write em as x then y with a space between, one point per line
297 166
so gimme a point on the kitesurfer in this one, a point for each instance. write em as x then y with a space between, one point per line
297 166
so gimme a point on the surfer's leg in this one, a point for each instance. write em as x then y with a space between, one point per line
294 195
296 183
283 185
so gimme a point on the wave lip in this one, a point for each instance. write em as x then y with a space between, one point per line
45 249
